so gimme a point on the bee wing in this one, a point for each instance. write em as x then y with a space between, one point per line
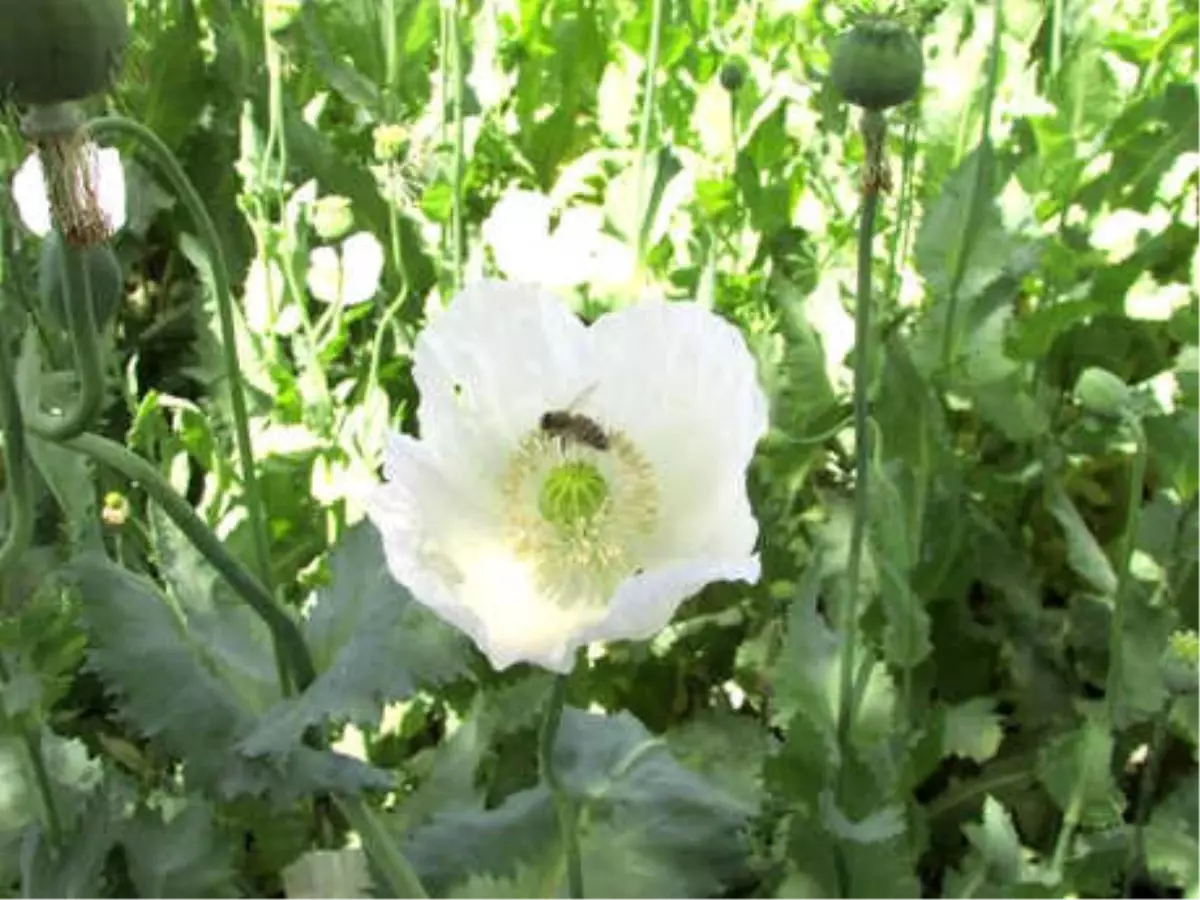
582 396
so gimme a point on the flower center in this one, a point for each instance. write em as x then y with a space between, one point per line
579 515
573 492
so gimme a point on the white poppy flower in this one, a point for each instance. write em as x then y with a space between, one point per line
107 178
349 275
536 542
576 252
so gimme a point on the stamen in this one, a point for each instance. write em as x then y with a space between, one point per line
579 515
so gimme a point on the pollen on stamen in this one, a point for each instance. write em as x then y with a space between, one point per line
591 535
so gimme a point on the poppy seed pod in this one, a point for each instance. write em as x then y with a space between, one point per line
58 51
877 64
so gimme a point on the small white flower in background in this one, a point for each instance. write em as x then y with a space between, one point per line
537 541
576 252
107 175
349 275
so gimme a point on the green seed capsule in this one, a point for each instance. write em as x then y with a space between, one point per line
104 275
57 51
877 64
733 75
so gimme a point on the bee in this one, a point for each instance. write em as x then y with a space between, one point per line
568 425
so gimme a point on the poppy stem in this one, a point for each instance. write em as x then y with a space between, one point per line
873 127
121 127
85 342
568 822
16 469
379 844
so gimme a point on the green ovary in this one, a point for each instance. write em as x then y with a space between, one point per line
572 494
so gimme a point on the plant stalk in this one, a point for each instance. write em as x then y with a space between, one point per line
1116 635
567 818
18 475
397 872
119 126
874 128
1136 857
641 226
456 211
85 342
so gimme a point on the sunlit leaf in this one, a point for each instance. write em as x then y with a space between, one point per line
373 645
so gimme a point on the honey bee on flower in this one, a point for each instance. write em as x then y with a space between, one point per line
571 484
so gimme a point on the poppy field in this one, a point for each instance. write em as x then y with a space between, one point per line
597 448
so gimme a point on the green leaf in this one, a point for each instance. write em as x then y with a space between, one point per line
1084 554
70 477
972 730
649 827
495 716
1173 840
682 836
726 748
1141 691
372 645
880 826
179 855
328 873
77 870
1076 770
997 842
237 641
943 238
1174 440
73 778
526 881
186 708
521 829
893 540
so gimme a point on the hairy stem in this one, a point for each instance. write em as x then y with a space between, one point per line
567 819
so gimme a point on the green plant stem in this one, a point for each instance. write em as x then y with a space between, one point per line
85 342
975 209
1071 818
118 126
456 211
1136 857
1116 634
397 872
16 466
289 642
567 819
41 774
641 226
873 130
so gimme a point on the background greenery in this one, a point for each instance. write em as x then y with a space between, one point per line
1024 727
